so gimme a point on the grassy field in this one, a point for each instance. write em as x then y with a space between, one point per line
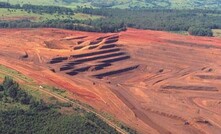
17 14
34 2
178 4
17 76
217 32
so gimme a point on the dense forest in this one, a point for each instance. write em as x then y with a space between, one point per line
196 22
41 118
167 20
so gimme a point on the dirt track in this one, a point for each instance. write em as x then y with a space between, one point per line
153 81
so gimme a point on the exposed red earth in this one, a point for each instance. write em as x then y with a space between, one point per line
155 82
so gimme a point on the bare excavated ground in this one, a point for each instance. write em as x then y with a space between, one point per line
156 82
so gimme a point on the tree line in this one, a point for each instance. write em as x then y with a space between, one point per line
39 8
81 25
100 25
166 19
196 22
47 9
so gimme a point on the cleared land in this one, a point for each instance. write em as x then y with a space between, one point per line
217 32
17 14
156 82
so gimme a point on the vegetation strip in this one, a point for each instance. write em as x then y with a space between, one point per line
200 22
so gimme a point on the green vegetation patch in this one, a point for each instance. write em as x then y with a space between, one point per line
10 72
201 21
22 113
196 22
4 106
199 31
19 14
217 32
50 121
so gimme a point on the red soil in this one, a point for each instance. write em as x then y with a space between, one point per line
136 97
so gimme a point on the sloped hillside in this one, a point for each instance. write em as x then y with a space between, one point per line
180 4
155 82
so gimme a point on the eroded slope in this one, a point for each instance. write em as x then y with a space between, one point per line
156 82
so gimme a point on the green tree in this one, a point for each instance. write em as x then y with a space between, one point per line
7 82
200 31
12 90
23 97
10 87
1 88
